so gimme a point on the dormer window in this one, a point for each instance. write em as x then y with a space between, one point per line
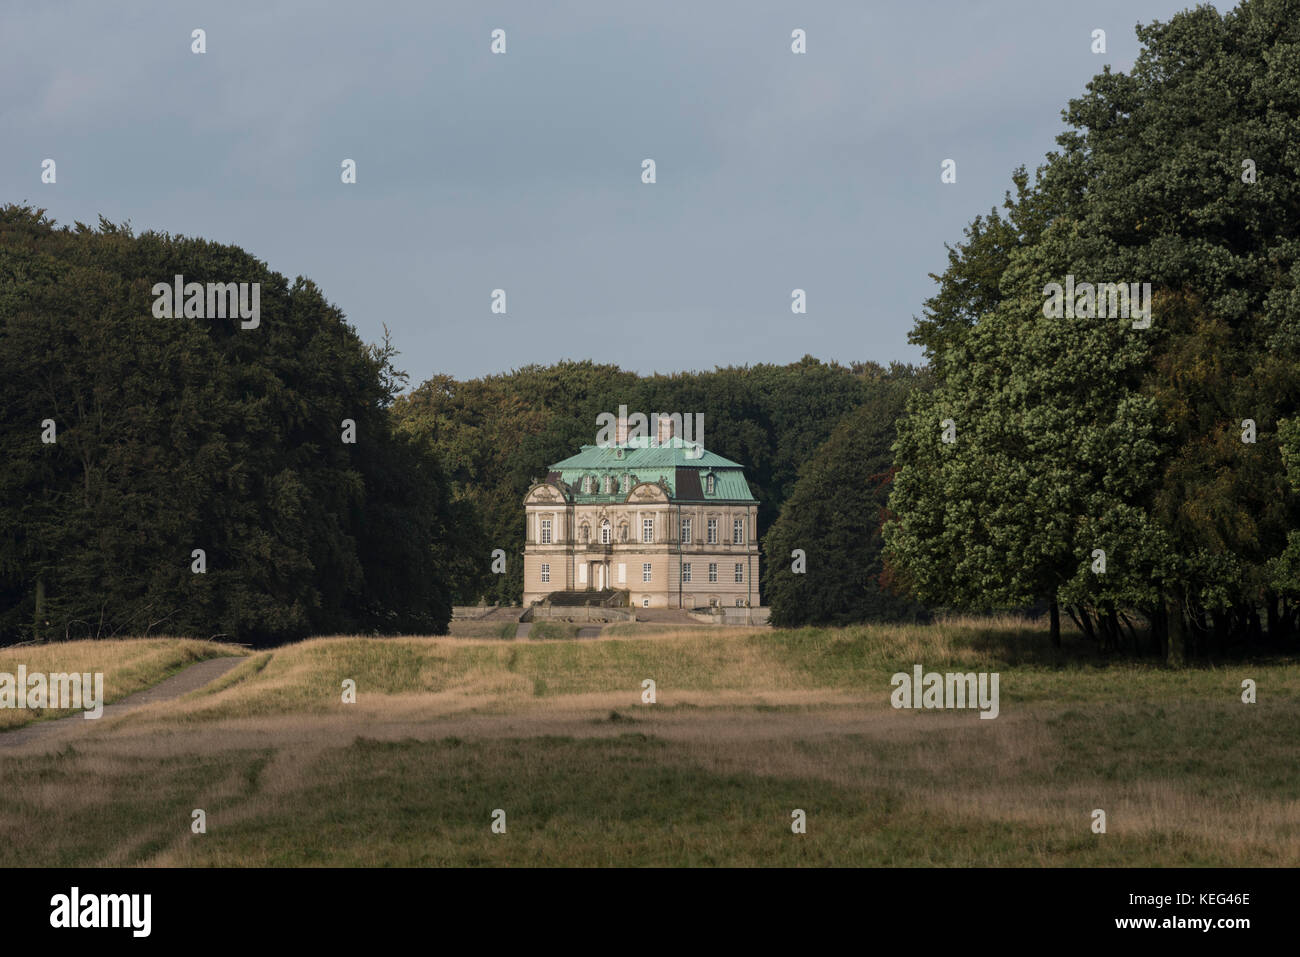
708 484
609 484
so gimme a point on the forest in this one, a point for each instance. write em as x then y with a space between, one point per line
271 479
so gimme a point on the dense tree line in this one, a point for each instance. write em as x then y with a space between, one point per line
822 559
1135 477
171 435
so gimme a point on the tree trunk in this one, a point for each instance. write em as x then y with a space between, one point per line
1177 633
1056 624
38 620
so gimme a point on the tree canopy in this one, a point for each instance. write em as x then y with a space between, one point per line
176 435
1107 467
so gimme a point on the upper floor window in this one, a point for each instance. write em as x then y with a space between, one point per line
713 531
604 532
686 530
585 532
738 532
546 531
647 529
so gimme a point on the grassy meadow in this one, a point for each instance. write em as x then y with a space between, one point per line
749 725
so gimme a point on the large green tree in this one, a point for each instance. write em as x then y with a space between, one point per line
1082 436
173 435
822 562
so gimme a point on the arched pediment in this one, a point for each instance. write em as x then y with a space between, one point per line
545 493
647 492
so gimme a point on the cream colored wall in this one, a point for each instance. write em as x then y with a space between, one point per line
662 554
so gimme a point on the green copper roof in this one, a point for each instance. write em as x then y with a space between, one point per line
645 461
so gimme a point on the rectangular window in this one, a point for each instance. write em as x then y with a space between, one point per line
647 529
645 571
622 573
740 603
582 573
686 531
740 572
546 572
713 571
546 531
686 571
713 531
738 532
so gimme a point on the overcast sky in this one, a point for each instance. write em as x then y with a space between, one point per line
522 171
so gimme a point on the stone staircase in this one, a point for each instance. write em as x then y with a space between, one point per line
609 598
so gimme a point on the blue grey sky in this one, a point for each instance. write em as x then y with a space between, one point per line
522 171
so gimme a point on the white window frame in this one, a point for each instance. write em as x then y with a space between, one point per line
606 532
647 530
686 530
647 572
686 571
547 537
546 573
712 526
713 571
738 531
740 573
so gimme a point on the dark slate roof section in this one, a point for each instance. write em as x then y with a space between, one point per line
688 486
553 478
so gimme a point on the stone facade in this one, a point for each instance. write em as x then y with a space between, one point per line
672 527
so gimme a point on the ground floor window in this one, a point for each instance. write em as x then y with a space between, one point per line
713 571
740 572
645 602
546 572
645 571
686 571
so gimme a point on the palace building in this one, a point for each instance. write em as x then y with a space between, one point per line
667 522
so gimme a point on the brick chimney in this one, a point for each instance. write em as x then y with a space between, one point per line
620 430
667 429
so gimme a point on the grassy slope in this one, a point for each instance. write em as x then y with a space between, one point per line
128 665
748 727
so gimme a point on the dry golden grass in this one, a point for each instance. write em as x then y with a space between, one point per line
747 726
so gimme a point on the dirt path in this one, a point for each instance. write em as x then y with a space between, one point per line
190 679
